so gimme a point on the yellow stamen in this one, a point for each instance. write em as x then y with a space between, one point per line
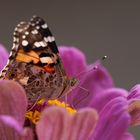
29 114
42 101
34 116
62 104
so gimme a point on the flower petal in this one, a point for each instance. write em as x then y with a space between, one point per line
13 100
101 99
114 120
134 105
13 103
11 122
3 57
82 124
134 110
28 134
73 59
57 124
12 130
134 93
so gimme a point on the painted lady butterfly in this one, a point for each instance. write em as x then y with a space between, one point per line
35 63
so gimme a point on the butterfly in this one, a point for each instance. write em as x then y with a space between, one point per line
35 63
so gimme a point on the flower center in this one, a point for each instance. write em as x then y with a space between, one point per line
34 114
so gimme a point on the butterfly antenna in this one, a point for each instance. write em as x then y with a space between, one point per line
93 67
84 89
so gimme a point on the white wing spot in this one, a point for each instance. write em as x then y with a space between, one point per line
24 80
37 44
46 39
49 39
37 27
10 54
14 39
43 43
33 24
16 29
18 25
34 32
15 46
44 26
25 43
22 22
46 60
26 33
14 33
23 36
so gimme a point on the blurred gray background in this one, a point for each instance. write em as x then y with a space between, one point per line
96 27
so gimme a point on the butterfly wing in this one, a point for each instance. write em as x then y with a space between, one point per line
34 61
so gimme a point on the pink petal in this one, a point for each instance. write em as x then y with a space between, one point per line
134 105
28 134
10 129
12 125
134 111
82 124
73 59
57 124
11 122
3 56
114 120
106 96
134 93
13 103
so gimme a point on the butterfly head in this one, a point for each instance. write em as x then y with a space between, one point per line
73 82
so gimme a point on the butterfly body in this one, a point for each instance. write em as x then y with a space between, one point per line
35 63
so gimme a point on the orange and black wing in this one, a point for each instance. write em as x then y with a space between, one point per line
33 43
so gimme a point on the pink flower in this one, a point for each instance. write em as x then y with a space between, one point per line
117 108
13 104
3 56
104 112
